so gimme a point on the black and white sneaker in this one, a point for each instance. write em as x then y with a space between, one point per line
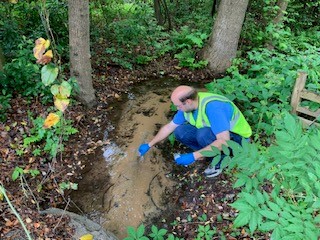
212 171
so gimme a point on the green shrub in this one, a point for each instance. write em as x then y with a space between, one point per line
280 186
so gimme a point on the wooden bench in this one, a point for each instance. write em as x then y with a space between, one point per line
299 93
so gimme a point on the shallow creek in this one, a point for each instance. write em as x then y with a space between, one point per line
119 188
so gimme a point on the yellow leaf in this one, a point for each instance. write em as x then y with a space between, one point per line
46 58
13 1
86 237
61 102
40 47
49 54
1 196
51 120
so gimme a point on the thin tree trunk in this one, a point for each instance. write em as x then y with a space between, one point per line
157 12
282 4
79 42
223 42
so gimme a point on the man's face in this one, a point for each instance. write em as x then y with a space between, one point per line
185 106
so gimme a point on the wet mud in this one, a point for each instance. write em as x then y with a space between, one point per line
119 188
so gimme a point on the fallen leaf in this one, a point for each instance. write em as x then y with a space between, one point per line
86 237
36 225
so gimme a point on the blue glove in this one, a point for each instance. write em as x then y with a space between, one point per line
143 149
185 159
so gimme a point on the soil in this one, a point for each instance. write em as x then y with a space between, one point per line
138 182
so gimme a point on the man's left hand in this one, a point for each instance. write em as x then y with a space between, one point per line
185 159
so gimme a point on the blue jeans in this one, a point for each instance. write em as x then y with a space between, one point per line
197 139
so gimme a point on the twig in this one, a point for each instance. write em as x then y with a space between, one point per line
314 120
34 197
62 215
2 190
149 192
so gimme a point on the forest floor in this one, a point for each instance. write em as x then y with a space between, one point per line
194 201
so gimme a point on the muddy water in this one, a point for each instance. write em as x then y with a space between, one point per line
120 188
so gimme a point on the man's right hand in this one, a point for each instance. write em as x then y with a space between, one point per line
143 149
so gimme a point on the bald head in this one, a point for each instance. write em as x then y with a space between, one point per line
185 98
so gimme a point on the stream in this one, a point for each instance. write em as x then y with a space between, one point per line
118 188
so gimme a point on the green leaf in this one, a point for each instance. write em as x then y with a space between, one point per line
316 204
294 228
54 89
268 226
312 177
259 197
154 229
251 199
162 232
269 214
276 234
274 207
283 222
140 230
311 234
16 173
65 89
49 74
253 224
241 206
240 182
207 153
290 123
131 231
225 150
242 219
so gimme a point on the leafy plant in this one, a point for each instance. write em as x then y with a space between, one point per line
5 99
50 137
19 172
67 185
136 235
205 232
280 188
157 234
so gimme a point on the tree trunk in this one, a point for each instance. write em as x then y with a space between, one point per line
282 4
157 12
223 42
79 43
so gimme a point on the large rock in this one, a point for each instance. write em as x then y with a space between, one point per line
83 225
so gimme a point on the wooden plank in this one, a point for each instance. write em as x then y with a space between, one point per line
310 96
307 122
299 86
308 112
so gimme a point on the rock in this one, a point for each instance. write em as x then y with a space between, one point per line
83 225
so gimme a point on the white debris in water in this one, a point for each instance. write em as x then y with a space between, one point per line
112 152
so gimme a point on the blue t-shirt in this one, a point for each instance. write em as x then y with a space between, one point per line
219 115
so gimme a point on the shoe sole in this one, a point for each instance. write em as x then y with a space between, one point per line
213 175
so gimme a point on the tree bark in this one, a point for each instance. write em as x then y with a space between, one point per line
79 43
223 42
282 4
157 12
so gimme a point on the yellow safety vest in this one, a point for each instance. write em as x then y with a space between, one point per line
238 123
